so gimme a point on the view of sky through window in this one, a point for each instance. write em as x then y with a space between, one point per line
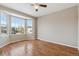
29 22
17 24
3 18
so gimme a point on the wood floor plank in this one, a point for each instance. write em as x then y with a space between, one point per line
37 48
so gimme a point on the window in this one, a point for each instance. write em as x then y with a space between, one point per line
3 23
17 25
29 26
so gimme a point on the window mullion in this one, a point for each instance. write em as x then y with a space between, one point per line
0 22
9 24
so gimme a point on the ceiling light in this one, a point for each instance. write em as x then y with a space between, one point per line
37 5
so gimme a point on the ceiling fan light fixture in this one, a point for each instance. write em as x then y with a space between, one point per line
36 6
36 9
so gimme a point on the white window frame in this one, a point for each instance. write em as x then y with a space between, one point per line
6 22
9 30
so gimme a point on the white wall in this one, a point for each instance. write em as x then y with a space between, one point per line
78 27
59 27
4 39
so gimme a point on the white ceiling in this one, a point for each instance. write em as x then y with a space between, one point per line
28 9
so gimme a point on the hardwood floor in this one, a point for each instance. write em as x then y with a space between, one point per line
37 48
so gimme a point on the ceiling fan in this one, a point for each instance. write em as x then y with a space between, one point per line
37 5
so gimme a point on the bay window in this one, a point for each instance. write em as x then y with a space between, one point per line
15 24
3 23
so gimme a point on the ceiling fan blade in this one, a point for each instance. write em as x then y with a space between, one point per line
42 5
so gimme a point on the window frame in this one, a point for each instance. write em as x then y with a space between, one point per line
11 26
9 18
6 23
27 27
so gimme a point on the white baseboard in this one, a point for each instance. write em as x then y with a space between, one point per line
60 43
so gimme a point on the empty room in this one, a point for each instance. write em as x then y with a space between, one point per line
39 29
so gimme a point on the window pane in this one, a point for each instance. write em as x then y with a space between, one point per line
17 25
29 26
3 23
